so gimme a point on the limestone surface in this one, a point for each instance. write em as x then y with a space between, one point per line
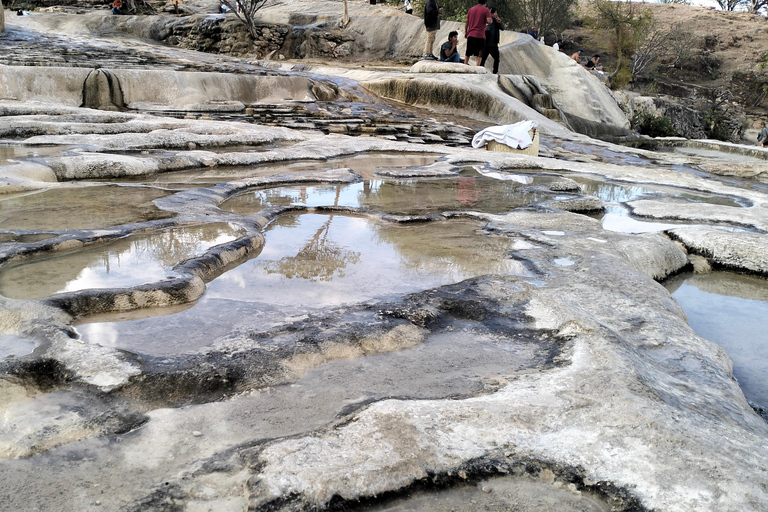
392 319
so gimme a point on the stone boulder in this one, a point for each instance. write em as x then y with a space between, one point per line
431 66
155 89
575 91
474 95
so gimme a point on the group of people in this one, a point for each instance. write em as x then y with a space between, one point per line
592 64
482 30
224 7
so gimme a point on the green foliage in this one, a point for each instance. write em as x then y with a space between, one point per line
621 78
624 25
456 10
653 126
716 126
551 16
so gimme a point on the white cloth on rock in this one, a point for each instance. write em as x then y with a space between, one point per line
513 135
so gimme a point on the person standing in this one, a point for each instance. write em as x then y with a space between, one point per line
534 32
449 51
762 137
474 31
432 24
492 34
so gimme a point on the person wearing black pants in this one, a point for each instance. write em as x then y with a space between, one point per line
492 33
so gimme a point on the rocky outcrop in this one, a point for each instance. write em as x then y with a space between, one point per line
102 91
692 119
429 66
152 89
689 123
736 251
224 34
474 95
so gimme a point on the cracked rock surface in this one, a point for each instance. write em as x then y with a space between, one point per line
377 317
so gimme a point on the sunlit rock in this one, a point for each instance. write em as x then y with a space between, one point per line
430 66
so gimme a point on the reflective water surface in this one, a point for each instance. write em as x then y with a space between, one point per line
126 262
503 493
80 208
314 261
468 191
732 311
15 346
11 153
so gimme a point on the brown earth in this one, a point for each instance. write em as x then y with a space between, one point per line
731 55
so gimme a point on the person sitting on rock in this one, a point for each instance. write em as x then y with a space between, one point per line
117 7
408 7
223 7
594 63
534 32
576 56
762 137
449 51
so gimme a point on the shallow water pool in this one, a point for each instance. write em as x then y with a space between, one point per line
310 262
732 311
129 261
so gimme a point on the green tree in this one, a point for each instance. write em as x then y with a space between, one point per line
551 16
625 25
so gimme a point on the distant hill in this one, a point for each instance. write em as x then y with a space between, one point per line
731 54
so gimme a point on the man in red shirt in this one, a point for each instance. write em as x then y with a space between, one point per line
474 31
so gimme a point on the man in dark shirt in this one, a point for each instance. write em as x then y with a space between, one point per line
492 34
432 24
474 31
594 64
448 52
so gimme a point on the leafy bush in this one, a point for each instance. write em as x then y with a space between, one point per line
653 126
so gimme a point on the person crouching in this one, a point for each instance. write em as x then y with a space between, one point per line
449 50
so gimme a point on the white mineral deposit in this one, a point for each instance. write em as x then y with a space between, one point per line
266 271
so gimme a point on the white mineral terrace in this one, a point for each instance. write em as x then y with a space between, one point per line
234 284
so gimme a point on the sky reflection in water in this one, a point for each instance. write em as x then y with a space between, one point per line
126 262
312 261
732 311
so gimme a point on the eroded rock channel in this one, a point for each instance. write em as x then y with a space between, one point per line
214 312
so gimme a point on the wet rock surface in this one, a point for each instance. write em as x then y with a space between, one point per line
350 308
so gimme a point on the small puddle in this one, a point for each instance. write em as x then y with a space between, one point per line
731 310
15 346
504 493
365 165
468 191
622 223
602 154
712 154
310 262
616 193
95 207
14 152
130 261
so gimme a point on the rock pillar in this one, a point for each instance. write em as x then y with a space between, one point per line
102 91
